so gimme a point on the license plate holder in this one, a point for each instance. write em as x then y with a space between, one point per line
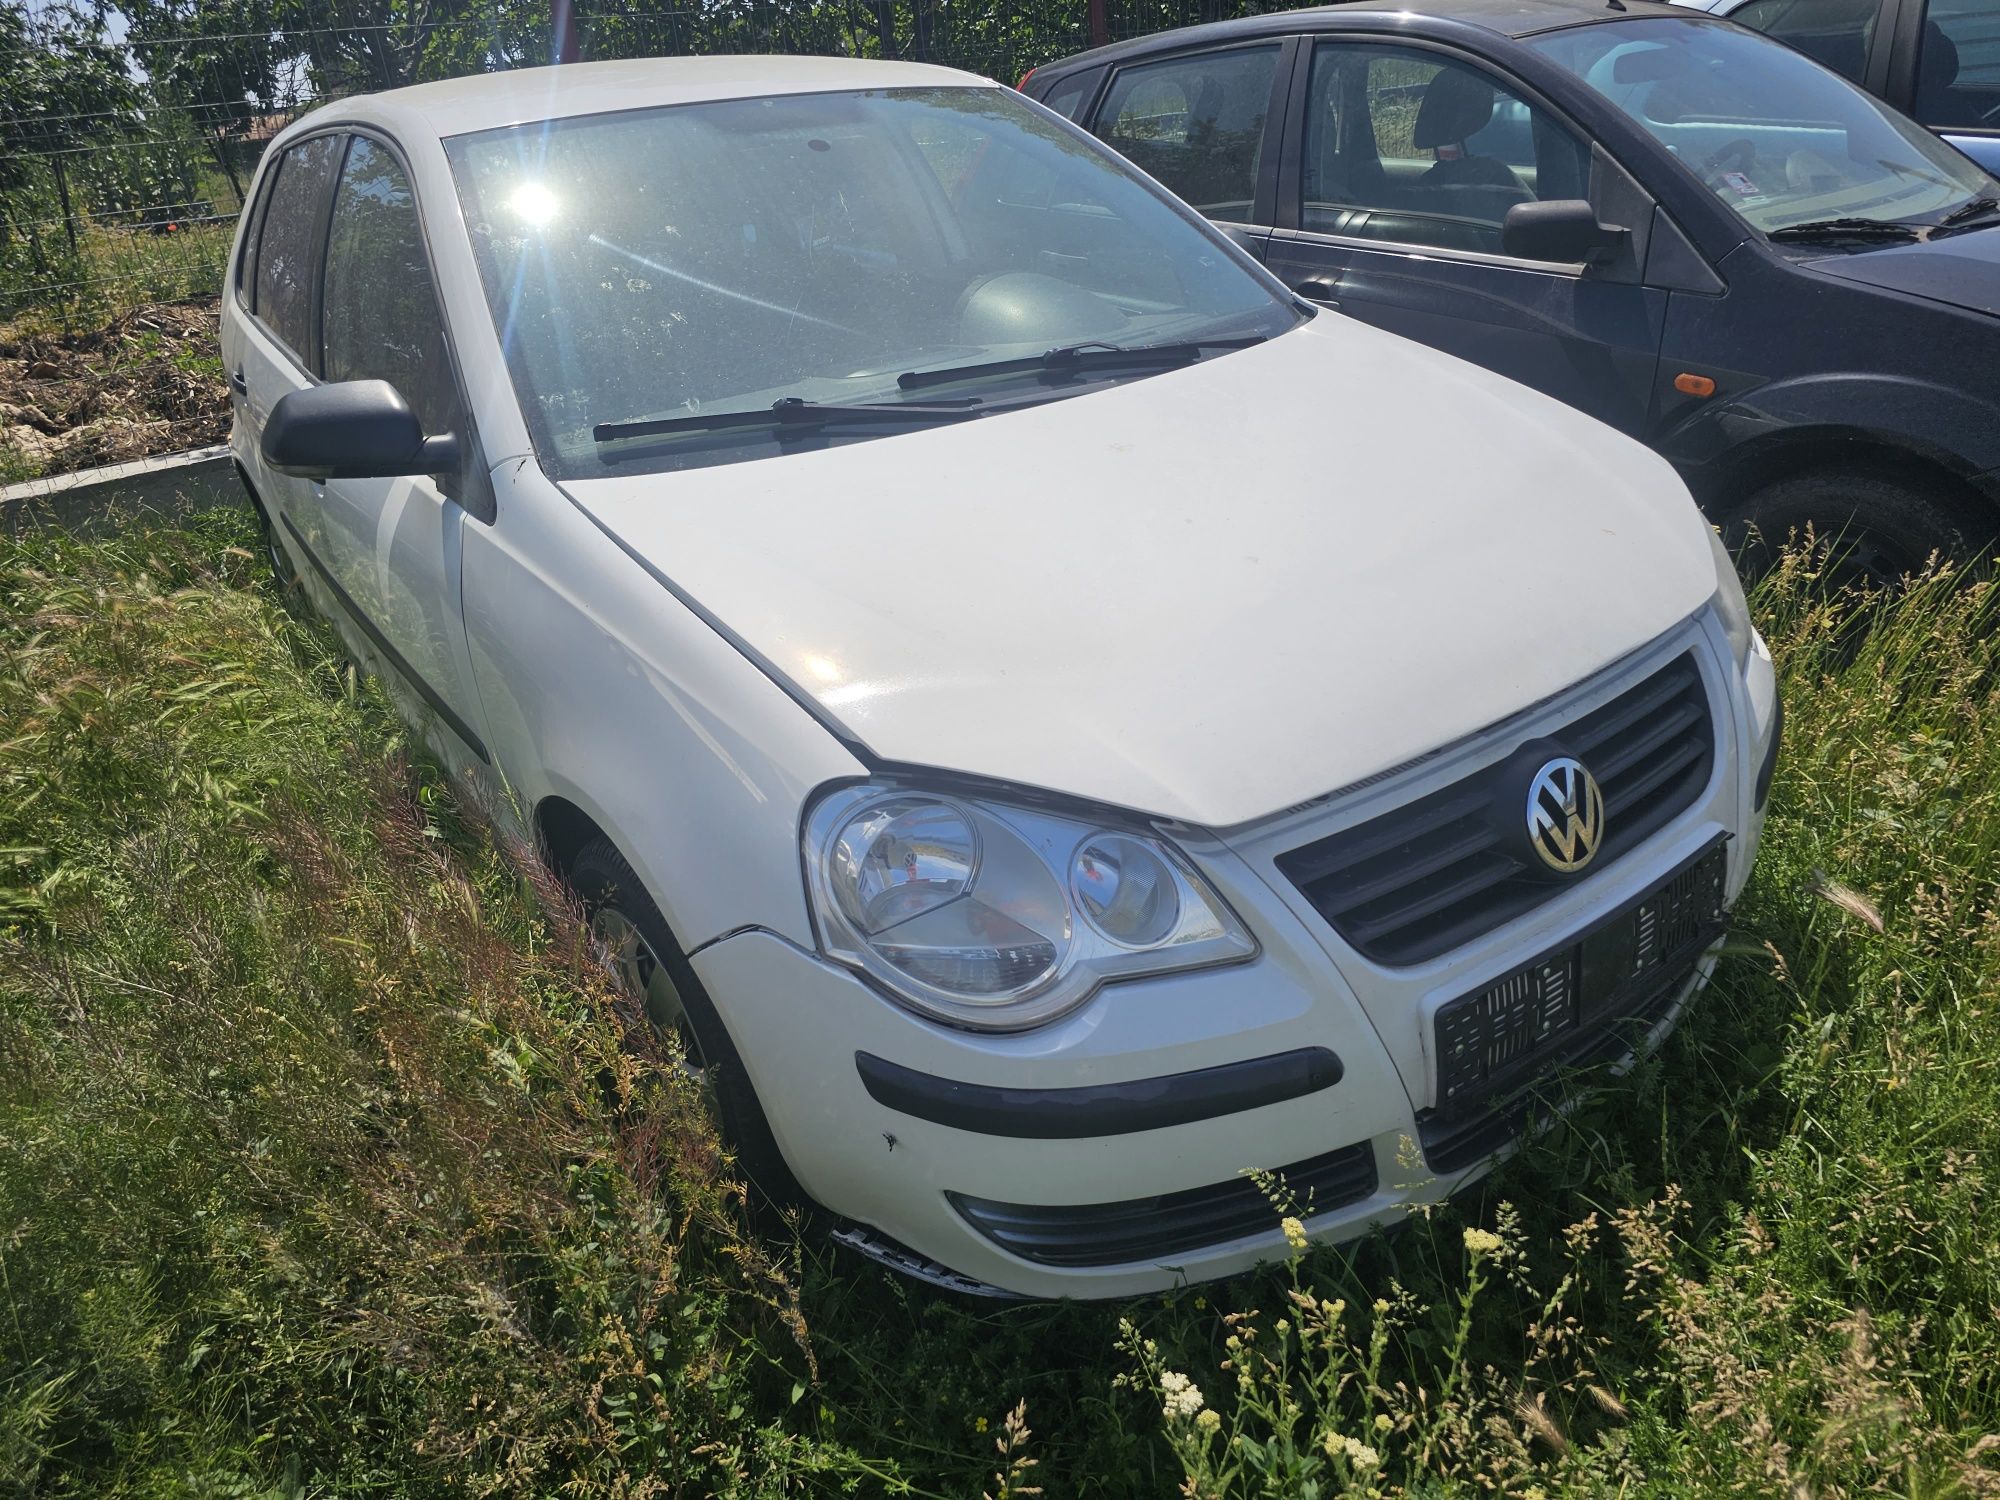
1565 1004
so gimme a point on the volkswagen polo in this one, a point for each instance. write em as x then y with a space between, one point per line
1045 714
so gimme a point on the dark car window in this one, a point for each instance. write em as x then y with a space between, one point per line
1070 94
1196 124
381 307
1409 146
288 246
1833 32
1958 65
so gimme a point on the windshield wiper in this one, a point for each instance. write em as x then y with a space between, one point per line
1078 359
1974 214
796 414
1845 229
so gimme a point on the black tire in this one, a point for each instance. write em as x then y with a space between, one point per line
1880 528
609 888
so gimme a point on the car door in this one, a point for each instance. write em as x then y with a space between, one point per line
1197 122
1945 71
1403 161
389 550
278 286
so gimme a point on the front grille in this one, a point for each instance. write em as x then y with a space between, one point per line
1155 1229
1442 870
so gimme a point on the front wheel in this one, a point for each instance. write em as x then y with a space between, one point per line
646 960
1881 530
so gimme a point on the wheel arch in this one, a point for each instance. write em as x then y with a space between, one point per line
1726 481
563 830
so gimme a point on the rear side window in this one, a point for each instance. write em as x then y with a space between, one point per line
1833 32
1196 124
380 303
288 243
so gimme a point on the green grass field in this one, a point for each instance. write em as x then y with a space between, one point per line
327 1166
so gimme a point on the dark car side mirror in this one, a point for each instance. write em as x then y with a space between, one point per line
352 429
1563 229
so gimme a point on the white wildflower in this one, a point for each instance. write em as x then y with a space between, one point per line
1183 1396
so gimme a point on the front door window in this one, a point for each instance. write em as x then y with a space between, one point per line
1422 149
1958 66
1836 33
380 306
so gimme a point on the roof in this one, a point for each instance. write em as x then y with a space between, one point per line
486 101
1511 18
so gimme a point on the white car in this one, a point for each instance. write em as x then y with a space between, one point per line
1057 722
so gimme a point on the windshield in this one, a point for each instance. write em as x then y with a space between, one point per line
1780 139
809 249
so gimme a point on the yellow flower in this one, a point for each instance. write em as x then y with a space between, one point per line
1200 1303
1208 1419
1482 1241
1295 1232
1383 1421
979 1424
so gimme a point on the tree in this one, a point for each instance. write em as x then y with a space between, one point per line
222 62
64 91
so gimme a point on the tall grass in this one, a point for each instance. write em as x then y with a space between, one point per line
327 1165
321 1160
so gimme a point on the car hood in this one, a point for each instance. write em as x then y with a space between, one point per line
1961 270
1207 595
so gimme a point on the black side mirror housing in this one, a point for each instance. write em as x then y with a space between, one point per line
352 429
1562 229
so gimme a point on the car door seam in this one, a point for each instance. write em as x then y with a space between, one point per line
369 628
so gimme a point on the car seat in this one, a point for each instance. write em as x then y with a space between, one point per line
1457 106
1939 101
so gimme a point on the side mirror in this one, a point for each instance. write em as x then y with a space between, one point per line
352 429
1563 229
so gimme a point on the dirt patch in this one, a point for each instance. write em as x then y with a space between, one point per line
149 382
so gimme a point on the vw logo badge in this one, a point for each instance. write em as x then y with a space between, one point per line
1565 815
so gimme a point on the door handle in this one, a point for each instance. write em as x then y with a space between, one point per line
1319 289
236 378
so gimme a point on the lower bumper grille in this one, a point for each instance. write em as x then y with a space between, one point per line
1154 1229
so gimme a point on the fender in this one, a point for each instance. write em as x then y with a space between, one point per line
1919 417
602 688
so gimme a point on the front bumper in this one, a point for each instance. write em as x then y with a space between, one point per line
1105 1155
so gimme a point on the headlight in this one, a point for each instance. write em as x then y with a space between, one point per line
997 917
1730 606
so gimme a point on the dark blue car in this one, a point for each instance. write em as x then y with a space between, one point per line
1684 228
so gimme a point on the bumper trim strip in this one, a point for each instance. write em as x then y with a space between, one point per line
1104 1108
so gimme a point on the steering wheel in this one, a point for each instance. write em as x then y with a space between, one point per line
1742 151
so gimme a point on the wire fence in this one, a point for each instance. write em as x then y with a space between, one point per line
128 140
